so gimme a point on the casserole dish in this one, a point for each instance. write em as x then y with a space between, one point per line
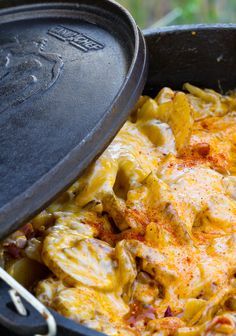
187 46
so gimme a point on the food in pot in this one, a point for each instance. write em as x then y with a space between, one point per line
144 242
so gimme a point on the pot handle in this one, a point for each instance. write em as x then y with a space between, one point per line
24 314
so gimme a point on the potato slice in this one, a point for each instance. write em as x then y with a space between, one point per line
103 312
27 271
175 110
78 259
199 195
84 303
181 121
47 290
206 103
97 310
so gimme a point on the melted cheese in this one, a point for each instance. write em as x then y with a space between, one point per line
144 242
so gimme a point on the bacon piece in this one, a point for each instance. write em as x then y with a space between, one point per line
203 149
140 312
28 230
168 312
13 250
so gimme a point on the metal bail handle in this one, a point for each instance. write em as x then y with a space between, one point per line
23 317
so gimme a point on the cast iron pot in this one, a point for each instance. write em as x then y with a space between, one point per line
200 54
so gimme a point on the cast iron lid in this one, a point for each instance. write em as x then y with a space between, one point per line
69 74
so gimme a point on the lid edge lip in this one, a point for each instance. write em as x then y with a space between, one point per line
138 68
187 27
28 7
116 5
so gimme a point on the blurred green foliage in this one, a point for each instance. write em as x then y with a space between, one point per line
169 12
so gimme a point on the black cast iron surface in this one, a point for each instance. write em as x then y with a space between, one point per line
69 74
204 55
206 58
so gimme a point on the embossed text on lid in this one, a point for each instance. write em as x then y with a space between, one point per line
75 38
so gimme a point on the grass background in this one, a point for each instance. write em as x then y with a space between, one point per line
160 13
168 12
